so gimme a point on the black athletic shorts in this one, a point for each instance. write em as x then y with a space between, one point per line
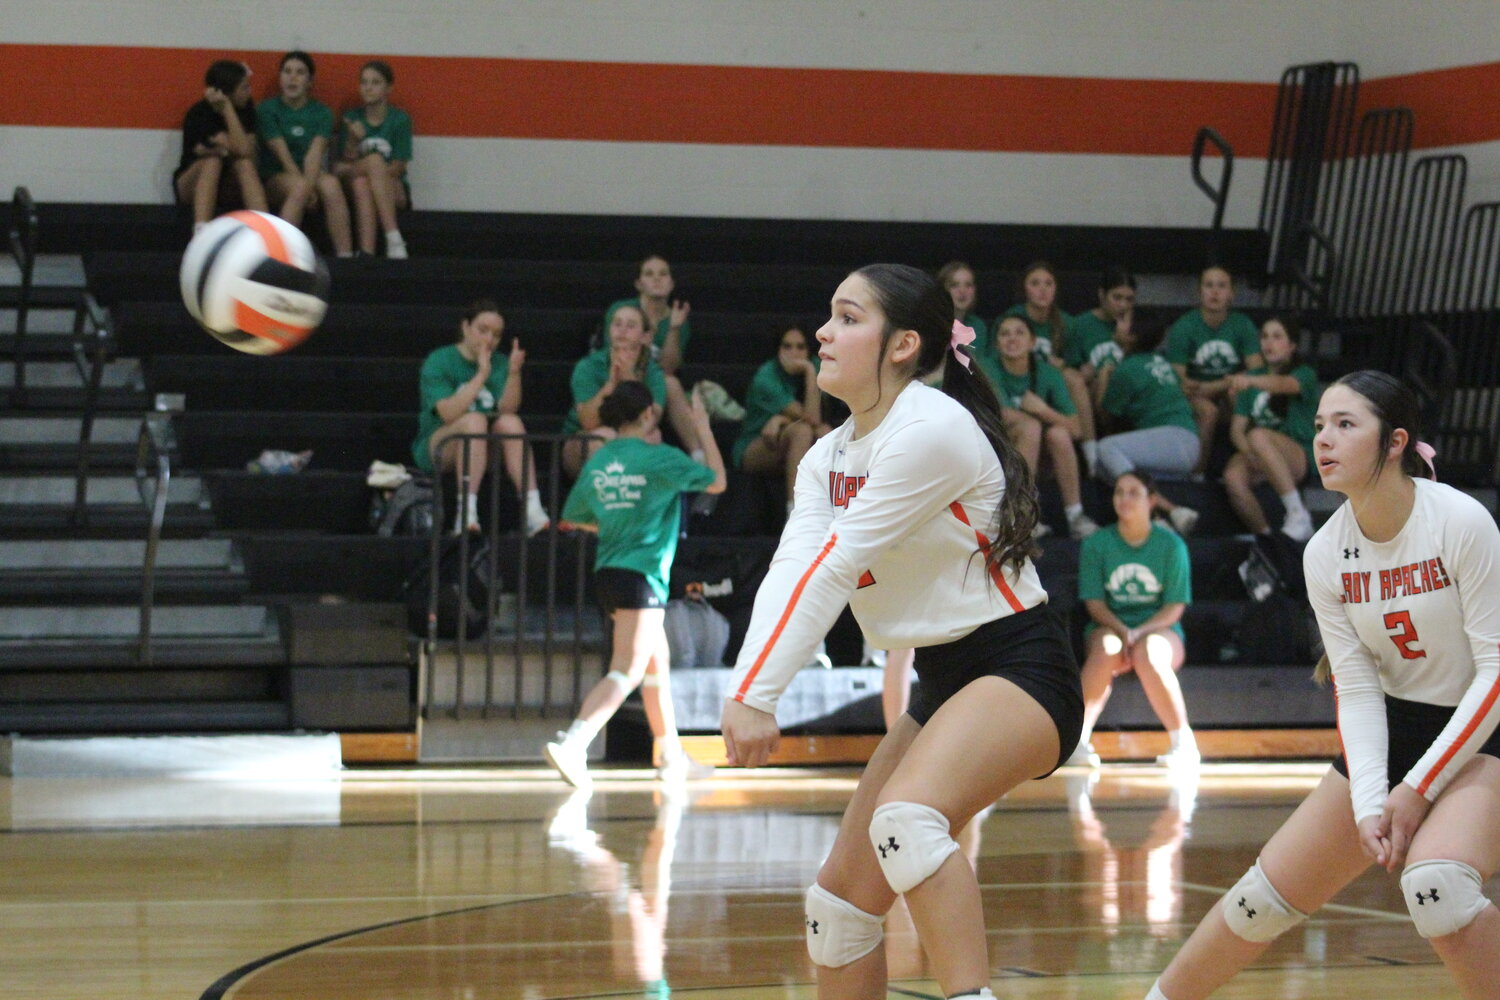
1412 727
1029 649
623 590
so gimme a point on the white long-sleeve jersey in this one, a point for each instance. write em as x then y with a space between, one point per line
1418 618
893 524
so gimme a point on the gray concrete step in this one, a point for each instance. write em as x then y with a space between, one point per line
66 557
122 374
227 623
121 491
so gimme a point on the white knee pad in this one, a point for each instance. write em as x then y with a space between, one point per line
621 680
911 842
1254 909
838 932
1442 896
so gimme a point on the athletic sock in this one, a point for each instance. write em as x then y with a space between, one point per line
1073 511
1292 501
581 732
1156 993
1182 737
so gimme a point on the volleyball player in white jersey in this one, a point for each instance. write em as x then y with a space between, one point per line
918 513
1405 580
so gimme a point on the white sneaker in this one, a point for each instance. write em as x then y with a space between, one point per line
1185 756
395 247
468 515
1081 527
1083 755
1184 520
570 759
537 520
1042 530
681 767
1298 526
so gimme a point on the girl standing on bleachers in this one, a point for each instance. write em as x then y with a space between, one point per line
296 132
1038 410
375 149
599 373
218 145
1272 431
1050 325
465 389
1207 345
783 412
1135 580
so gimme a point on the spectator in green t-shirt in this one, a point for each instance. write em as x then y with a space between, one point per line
1272 431
1037 410
466 390
1050 324
783 412
597 374
667 320
295 132
629 492
374 152
1134 578
1091 340
1205 347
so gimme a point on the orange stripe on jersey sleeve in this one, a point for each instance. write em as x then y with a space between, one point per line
1463 737
785 616
984 548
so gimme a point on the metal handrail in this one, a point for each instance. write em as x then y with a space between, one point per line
1218 195
156 438
553 540
1316 286
23 238
92 327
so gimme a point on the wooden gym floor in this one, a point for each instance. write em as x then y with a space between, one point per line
464 884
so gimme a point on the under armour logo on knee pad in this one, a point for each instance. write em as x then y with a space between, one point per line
890 845
1422 898
812 925
1250 913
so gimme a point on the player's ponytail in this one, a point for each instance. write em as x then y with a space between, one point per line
913 300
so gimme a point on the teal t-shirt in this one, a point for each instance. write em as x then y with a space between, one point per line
1043 330
391 138
663 328
1300 410
1145 391
442 373
589 376
771 391
1211 353
1135 581
1049 385
297 126
1091 341
629 489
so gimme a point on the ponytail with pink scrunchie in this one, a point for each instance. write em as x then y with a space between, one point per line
963 336
1427 453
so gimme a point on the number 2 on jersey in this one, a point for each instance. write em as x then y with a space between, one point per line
1406 637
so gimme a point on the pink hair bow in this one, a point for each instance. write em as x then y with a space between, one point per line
1428 453
963 336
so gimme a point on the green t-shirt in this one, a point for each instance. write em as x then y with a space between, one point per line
1211 353
1043 330
297 126
1049 385
1135 582
589 376
663 327
1091 340
771 391
1300 410
629 489
1146 392
442 373
391 138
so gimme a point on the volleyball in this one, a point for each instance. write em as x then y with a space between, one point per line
254 282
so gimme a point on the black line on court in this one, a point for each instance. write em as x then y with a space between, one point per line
1383 960
229 979
911 993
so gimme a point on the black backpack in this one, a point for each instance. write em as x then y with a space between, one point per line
451 610
407 510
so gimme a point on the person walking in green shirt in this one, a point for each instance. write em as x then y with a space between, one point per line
1205 347
783 412
1037 409
629 492
295 132
1135 580
1272 431
465 389
376 148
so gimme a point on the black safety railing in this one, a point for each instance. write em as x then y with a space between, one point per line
1217 193
23 242
1366 220
155 446
93 347
530 651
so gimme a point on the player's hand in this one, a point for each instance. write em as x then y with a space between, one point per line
750 735
680 310
218 100
1404 812
483 363
1033 404
355 128
1375 839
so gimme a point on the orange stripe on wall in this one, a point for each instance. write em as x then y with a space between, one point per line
1453 107
138 87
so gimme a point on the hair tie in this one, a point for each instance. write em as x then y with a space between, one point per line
1428 453
963 336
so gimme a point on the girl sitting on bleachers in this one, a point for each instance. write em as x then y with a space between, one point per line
296 130
599 373
375 149
783 411
218 146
